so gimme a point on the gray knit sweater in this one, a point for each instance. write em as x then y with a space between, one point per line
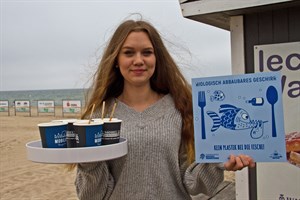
155 167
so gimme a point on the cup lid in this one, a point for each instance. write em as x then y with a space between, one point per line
86 123
65 120
112 120
97 119
48 124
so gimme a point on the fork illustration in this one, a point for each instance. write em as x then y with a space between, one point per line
202 104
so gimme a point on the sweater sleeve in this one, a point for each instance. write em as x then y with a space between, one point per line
201 178
93 181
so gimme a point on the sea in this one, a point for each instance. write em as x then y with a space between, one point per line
56 95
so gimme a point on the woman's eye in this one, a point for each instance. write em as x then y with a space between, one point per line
144 53
147 53
128 53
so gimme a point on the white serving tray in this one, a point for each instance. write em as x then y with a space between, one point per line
36 153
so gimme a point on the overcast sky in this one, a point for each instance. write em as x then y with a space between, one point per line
56 44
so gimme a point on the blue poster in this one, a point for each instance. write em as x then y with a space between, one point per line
239 114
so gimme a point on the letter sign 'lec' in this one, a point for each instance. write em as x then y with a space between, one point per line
289 62
276 62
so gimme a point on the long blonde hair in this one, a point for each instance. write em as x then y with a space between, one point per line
167 78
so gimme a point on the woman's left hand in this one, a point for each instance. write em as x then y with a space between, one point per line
238 162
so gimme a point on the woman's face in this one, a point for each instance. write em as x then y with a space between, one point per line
136 59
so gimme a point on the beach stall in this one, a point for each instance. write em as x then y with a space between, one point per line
4 106
46 107
22 106
265 36
71 107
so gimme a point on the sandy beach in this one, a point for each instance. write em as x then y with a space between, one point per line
22 179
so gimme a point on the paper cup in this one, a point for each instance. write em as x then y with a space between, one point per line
111 131
53 134
88 134
71 134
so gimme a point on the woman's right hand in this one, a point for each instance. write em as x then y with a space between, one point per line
238 162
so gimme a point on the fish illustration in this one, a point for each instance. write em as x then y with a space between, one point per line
218 95
234 118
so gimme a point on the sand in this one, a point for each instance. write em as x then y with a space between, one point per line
22 179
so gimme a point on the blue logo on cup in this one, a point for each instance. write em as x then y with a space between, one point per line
56 137
93 135
88 134
53 135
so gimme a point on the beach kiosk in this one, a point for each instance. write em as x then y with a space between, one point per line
265 36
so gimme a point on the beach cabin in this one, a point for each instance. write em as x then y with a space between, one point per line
265 36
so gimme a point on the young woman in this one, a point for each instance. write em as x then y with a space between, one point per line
155 103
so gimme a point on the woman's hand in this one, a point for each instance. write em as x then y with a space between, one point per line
238 162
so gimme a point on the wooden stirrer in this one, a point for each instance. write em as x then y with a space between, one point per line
103 108
112 112
91 113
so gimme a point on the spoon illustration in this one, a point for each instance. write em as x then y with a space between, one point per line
272 97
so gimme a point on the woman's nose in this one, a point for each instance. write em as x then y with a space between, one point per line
138 59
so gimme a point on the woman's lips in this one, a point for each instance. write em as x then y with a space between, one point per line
138 71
